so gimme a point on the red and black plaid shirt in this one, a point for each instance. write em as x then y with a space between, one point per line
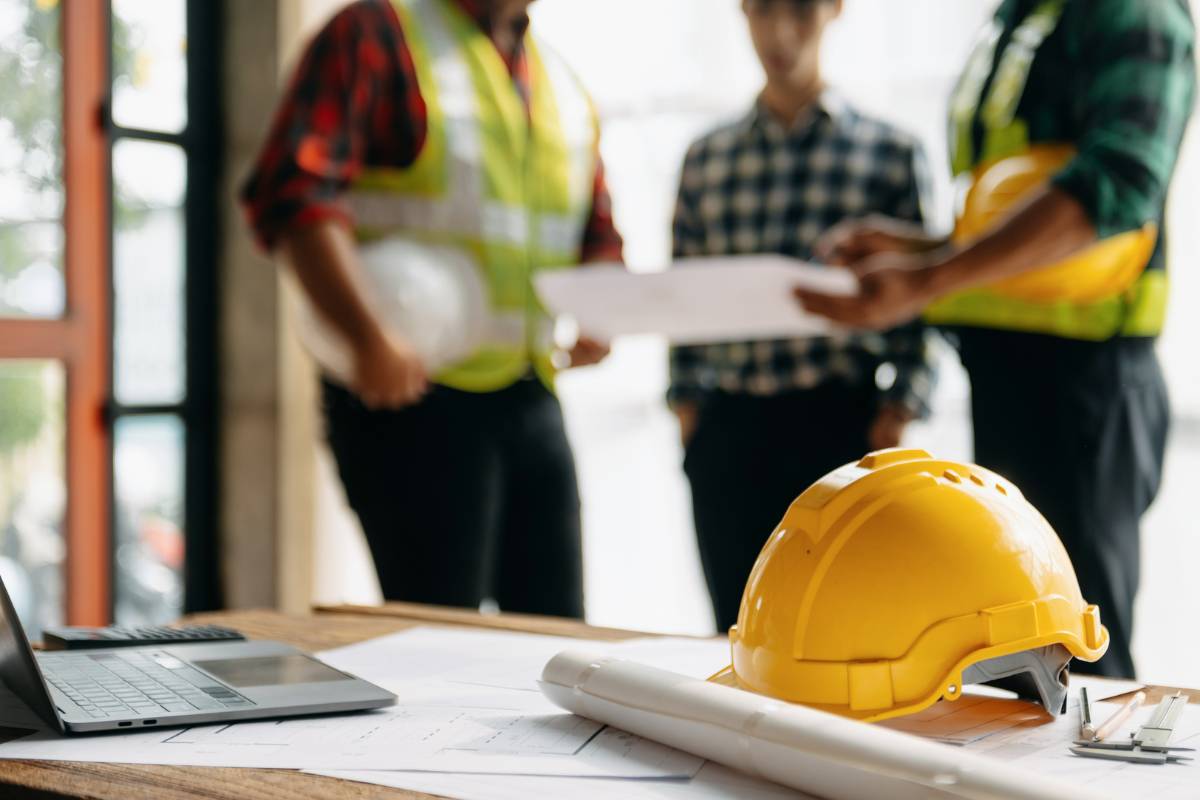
354 103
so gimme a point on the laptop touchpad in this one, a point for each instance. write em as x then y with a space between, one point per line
271 670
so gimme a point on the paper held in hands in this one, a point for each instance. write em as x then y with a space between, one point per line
698 301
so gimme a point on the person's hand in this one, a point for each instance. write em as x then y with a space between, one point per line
588 351
388 373
852 240
688 415
893 288
887 429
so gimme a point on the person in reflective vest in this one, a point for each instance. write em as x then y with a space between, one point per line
1065 128
436 152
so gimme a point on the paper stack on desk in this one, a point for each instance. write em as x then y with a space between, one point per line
468 703
472 723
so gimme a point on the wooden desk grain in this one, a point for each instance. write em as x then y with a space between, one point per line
328 627
440 615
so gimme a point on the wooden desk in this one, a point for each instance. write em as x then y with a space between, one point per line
326 628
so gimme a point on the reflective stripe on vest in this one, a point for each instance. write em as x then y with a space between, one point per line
1141 310
1004 134
511 184
1137 312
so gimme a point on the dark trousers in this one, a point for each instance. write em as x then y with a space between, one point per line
750 457
465 497
1081 429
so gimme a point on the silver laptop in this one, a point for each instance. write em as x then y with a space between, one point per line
128 688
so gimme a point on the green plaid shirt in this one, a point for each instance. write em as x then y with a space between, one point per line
1116 79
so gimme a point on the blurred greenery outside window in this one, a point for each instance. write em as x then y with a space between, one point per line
32 399
31 197
149 93
32 496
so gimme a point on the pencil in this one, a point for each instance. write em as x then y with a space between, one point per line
1119 716
1087 730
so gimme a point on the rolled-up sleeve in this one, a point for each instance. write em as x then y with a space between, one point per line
1137 90
350 102
601 240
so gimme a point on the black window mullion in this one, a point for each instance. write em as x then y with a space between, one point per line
166 409
203 144
117 132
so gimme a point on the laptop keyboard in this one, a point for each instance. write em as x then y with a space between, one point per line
135 684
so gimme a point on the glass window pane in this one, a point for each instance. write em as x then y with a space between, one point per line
149 180
150 64
32 490
31 201
148 475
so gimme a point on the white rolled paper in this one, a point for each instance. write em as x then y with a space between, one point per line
822 754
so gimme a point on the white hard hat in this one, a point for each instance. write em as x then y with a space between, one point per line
429 295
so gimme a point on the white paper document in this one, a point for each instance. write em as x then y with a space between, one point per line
468 703
713 782
1042 750
697 301
518 740
1024 745
969 719
507 660
983 713
1103 688
472 723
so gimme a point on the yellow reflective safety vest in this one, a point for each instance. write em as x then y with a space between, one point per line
509 183
1102 292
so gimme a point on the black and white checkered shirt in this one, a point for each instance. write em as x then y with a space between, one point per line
757 186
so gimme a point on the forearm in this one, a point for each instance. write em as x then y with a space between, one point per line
1048 228
913 236
325 262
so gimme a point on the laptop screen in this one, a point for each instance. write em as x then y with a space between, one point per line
17 667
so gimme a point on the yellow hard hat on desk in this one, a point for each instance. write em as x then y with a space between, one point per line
1104 270
892 581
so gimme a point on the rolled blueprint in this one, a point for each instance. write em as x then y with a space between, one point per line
815 752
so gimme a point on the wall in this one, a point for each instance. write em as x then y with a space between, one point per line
249 338
268 465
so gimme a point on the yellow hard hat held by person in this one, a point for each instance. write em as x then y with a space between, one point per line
893 582
1106 269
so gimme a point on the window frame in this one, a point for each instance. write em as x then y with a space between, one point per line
201 144
81 340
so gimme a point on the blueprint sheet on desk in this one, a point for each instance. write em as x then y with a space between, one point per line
468 703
